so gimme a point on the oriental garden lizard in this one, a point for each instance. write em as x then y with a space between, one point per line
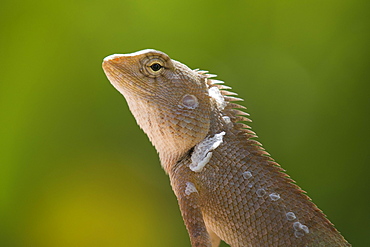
228 188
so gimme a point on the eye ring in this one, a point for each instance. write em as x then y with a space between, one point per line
153 66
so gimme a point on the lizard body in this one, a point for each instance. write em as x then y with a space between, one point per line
227 186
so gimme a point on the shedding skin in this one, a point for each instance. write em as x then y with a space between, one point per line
227 186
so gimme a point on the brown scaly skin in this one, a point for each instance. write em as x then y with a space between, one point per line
240 195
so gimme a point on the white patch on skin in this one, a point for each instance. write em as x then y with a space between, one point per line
190 188
189 101
305 228
298 234
202 152
247 174
215 93
297 226
300 229
290 216
227 120
274 196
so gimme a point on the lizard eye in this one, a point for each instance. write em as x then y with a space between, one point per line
156 66
153 66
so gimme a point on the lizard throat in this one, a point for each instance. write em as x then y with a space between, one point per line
171 134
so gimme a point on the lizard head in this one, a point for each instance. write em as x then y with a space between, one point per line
169 101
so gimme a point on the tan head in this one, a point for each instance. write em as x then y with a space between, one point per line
169 100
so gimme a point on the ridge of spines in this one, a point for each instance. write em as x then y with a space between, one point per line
233 109
238 116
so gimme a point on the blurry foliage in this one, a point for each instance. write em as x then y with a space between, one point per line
77 171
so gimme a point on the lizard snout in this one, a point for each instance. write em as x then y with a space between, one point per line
115 58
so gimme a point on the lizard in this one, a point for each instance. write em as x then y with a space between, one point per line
227 186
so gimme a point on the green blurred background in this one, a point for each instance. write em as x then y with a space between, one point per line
77 171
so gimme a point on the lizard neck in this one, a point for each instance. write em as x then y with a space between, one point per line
166 129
